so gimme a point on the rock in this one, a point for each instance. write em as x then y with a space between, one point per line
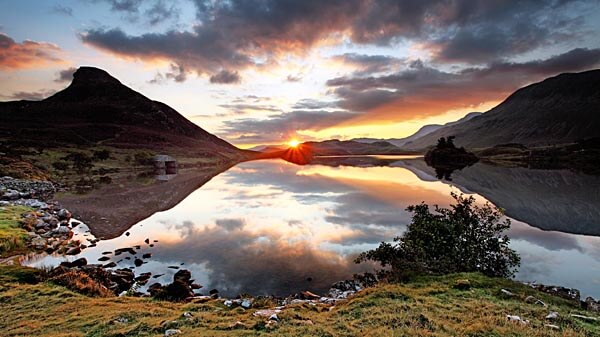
567 293
80 262
73 251
214 293
138 262
507 293
187 314
195 286
147 241
121 320
125 250
552 326
591 304
274 318
103 258
514 318
147 256
63 214
228 303
530 299
38 243
63 230
109 265
246 303
585 318
172 332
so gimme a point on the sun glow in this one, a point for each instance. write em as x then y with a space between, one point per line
293 143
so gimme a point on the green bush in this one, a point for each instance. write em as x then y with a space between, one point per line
463 238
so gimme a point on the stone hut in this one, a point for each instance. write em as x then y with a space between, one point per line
165 162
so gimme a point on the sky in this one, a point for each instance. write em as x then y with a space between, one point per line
267 71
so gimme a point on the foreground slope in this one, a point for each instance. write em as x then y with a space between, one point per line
560 109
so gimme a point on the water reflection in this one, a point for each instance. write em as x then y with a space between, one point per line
271 227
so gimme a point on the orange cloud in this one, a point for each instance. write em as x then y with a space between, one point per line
27 54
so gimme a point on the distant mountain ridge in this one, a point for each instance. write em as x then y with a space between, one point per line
557 110
97 109
424 130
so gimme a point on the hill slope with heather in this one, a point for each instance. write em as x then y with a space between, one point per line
558 110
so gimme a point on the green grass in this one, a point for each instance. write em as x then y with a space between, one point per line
12 236
426 307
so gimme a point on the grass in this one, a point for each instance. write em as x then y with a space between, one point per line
426 307
12 236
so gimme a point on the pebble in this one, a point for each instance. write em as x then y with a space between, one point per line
172 332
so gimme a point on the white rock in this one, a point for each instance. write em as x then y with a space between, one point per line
172 332
506 292
552 326
228 303
246 303
274 318
552 315
515 318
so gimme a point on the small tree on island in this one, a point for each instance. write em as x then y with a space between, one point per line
463 238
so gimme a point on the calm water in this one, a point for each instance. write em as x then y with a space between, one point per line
271 227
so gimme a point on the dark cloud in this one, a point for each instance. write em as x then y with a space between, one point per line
176 73
312 104
243 108
160 12
27 54
130 6
31 95
282 126
421 90
369 64
226 77
65 75
242 33
63 10
231 224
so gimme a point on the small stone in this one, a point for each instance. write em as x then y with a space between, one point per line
138 262
274 318
187 314
172 332
246 303
585 318
147 256
552 326
63 214
507 293
147 241
552 315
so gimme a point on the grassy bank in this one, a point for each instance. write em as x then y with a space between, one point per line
426 307
12 236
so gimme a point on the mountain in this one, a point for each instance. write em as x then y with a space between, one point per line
97 109
350 147
425 130
558 110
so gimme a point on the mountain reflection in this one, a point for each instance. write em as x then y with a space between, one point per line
272 227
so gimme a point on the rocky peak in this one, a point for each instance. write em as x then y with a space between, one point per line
92 75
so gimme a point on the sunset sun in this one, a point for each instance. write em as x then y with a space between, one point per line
293 143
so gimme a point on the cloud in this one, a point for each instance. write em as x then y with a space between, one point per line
243 108
226 77
369 64
160 12
421 90
31 95
27 54
65 75
63 10
282 126
238 34
231 224
176 73
292 78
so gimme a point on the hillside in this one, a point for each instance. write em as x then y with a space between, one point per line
350 147
424 130
560 109
96 109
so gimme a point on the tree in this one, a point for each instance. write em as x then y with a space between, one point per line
463 238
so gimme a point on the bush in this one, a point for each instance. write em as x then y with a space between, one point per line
61 165
101 154
462 238
81 161
143 158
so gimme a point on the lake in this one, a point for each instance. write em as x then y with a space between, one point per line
273 227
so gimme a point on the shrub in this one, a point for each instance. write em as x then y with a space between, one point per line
463 238
82 283
101 154
143 158
61 165
81 161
